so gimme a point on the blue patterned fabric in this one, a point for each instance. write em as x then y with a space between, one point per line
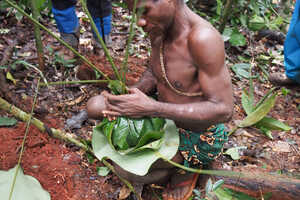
292 47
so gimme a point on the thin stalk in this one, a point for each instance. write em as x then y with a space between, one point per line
225 16
74 82
131 35
37 34
23 142
56 37
108 56
66 137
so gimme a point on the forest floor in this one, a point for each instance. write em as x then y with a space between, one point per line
66 171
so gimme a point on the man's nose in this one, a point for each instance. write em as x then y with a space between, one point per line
141 22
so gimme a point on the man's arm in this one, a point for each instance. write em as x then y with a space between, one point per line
207 50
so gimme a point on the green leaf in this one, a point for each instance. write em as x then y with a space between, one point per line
237 39
259 113
26 187
115 86
228 194
133 135
217 184
241 70
227 34
208 186
234 152
11 78
5 121
157 123
267 132
273 124
256 23
247 103
149 137
138 162
103 171
120 133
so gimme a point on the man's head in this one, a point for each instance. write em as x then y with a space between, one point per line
155 16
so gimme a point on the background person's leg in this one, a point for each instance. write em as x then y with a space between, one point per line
101 13
66 20
292 47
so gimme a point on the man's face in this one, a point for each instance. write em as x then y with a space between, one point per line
155 16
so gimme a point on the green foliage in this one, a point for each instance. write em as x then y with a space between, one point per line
256 114
42 5
135 160
6 121
129 135
103 171
215 191
234 152
241 70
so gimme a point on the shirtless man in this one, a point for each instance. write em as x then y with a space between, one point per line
187 67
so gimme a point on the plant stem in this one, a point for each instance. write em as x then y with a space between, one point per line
56 37
74 82
67 137
37 34
23 143
108 56
131 35
227 13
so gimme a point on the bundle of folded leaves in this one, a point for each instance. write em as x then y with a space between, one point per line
135 144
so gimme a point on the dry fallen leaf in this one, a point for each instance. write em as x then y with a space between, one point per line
124 192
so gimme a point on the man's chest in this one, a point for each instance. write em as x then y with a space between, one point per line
174 65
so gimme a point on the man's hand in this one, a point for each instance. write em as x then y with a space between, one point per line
135 104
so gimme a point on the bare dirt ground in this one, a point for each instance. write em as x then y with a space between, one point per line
63 169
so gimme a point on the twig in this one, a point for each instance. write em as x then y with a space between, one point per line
227 13
37 34
74 82
67 137
101 40
57 38
23 142
131 34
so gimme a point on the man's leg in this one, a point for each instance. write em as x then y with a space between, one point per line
291 54
101 13
67 24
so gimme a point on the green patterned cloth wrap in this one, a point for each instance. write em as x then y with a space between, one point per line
127 135
200 149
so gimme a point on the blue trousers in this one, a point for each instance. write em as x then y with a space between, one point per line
67 21
292 47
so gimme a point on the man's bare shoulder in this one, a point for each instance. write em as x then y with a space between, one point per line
204 33
206 45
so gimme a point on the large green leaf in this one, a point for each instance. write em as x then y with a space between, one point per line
5 121
120 133
237 39
241 70
26 187
259 113
273 124
139 162
247 103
